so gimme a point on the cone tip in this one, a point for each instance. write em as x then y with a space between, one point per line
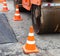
31 29
17 5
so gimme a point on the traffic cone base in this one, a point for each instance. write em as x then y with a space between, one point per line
5 10
30 51
16 18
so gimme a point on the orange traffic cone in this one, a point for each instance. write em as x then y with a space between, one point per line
5 8
30 46
1 1
17 16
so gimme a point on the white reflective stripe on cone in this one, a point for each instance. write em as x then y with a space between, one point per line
31 34
5 6
17 14
30 42
4 2
17 9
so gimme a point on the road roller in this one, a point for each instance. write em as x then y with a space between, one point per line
45 14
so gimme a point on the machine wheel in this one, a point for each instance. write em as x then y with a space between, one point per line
49 20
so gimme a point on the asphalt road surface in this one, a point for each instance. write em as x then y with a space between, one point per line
48 45
6 33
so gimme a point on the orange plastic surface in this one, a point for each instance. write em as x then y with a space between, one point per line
26 4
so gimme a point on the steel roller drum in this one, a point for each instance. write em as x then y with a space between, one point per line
51 19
